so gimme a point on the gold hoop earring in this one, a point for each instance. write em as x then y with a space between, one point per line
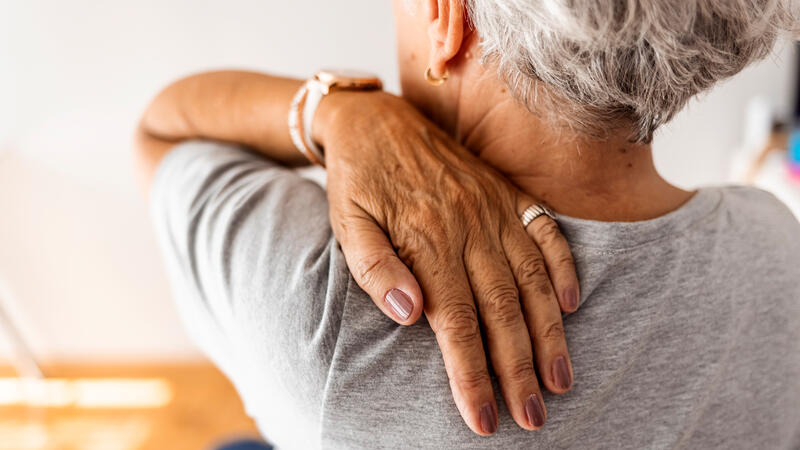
436 81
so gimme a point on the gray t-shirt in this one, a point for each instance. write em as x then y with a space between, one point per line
688 335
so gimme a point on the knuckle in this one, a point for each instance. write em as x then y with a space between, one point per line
518 371
549 232
566 262
552 332
502 305
471 380
531 270
440 245
458 323
543 288
532 276
368 268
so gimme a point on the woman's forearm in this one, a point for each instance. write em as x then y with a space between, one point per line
242 107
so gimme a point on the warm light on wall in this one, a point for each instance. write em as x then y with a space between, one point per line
86 392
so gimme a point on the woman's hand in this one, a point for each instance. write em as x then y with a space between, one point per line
396 182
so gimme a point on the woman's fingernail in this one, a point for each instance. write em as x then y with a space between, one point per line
561 373
400 303
533 408
488 420
571 299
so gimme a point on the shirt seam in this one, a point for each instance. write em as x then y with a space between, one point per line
608 250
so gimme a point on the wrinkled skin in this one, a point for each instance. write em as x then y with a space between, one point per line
404 195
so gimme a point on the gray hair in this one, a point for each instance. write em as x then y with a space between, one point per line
609 64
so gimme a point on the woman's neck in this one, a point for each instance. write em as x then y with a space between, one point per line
608 180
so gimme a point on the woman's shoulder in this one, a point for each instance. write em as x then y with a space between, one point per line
752 200
758 228
759 213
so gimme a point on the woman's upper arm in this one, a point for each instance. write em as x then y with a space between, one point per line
255 268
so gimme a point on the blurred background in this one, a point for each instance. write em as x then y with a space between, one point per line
85 308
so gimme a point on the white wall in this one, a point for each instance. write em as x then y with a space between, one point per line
694 149
77 258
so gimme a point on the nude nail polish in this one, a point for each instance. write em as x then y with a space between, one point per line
488 419
400 303
534 410
561 373
571 299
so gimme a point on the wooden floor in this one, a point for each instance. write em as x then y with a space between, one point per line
203 410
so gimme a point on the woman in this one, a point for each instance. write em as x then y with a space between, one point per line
687 334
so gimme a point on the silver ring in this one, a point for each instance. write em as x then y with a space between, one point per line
534 211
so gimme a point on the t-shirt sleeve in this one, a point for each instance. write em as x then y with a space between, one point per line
255 269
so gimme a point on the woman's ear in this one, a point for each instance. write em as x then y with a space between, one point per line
445 32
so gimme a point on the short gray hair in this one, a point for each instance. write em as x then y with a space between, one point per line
609 64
